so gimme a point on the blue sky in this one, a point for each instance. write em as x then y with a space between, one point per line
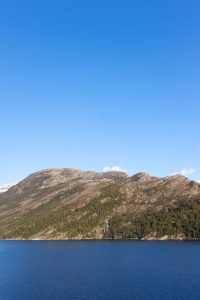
94 84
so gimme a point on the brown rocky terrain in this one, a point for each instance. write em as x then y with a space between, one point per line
74 204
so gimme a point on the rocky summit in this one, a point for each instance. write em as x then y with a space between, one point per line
75 204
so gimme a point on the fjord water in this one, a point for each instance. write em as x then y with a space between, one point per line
99 270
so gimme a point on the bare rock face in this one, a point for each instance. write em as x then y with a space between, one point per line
177 178
141 177
74 204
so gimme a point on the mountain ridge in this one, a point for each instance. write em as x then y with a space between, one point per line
74 204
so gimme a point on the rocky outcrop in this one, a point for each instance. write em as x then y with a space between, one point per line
141 177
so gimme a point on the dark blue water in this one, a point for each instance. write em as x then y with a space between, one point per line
99 270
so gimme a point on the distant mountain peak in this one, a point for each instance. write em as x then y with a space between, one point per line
5 187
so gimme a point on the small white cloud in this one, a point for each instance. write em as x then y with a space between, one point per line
184 171
114 168
198 181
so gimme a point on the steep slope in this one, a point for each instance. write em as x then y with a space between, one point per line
73 204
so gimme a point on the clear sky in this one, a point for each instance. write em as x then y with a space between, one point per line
94 84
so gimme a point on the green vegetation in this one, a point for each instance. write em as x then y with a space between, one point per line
63 217
95 212
38 219
183 218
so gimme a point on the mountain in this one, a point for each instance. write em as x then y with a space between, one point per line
75 204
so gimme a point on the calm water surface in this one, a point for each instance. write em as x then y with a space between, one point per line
99 270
